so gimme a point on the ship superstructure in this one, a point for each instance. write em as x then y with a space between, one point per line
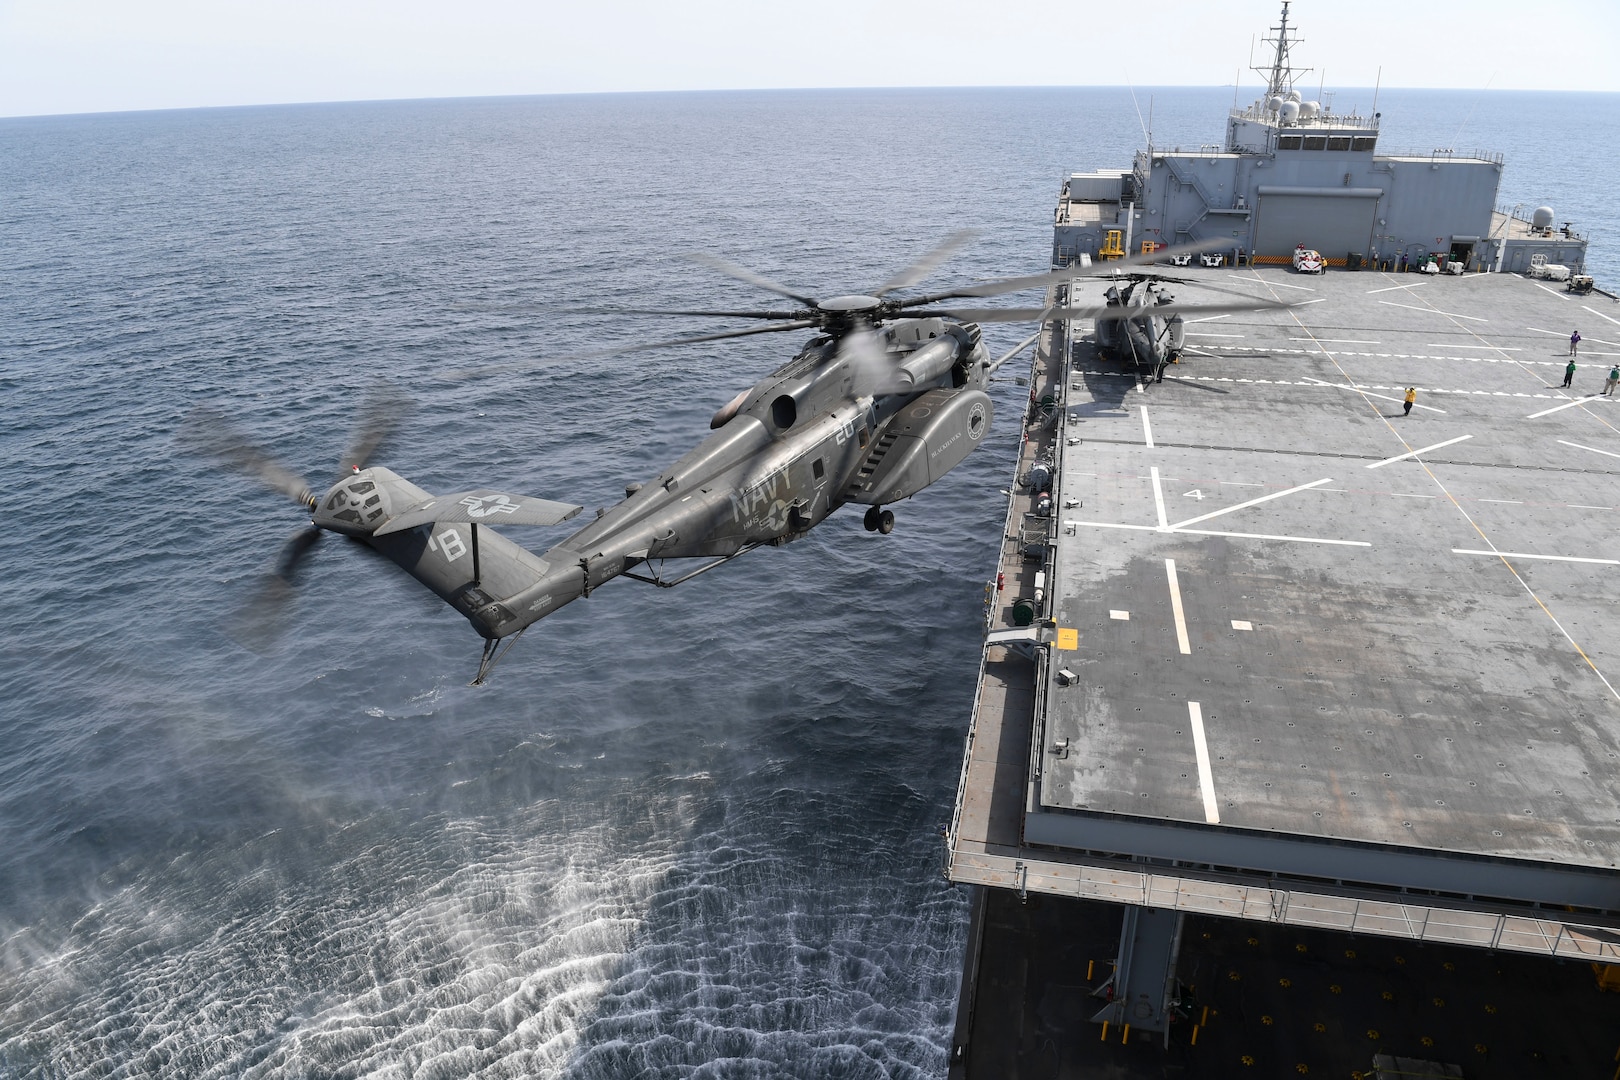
1293 172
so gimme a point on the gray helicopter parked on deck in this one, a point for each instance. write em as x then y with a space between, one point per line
1145 334
884 399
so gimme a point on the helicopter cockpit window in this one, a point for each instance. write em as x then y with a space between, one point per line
818 468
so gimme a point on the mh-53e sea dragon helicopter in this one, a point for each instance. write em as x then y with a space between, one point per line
884 399
1147 330
1145 334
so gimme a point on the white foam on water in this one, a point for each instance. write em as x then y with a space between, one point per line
487 968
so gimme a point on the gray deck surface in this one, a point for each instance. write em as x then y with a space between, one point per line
1420 653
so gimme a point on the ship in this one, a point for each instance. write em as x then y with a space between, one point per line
1295 748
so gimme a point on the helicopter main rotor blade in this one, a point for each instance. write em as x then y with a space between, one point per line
705 314
644 346
209 432
1040 281
259 622
380 410
742 273
926 265
1095 311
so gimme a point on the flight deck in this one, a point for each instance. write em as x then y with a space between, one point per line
1281 651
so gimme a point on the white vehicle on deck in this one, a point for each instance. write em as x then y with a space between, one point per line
1308 260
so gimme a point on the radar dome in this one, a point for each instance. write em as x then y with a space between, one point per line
1290 112
1273 103
1293 95
1308 110
1542 217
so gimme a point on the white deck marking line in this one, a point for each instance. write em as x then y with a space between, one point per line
1147 428
1560 293
1206 780
1217 532
1539 330
1528 555
1493 348
1593 449
1285 285
1211 318
1583 506
1175 607
1276 536
1434 311
1415 453
1600 315
1238 483
1560 408
1380 397
1318 300
1510 502
1404 495
1251 502
1392 288
1116 613
1337 341
1205 333
1158 497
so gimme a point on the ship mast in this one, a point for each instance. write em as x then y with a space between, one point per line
1280 79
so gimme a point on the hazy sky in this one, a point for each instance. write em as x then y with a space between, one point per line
65 56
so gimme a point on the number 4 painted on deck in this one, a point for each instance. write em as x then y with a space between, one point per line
1195 493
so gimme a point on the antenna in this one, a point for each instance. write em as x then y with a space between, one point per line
1472 107
1146 134
1377 82
1280 79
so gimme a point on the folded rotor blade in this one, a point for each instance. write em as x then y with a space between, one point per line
742 273
926 265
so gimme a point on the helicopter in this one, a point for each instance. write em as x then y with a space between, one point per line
1145 337
886 397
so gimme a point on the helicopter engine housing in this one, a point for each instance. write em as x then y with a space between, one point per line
928 363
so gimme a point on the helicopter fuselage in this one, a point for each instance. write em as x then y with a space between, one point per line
821 431
1144 338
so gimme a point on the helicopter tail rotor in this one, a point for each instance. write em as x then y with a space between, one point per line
259 621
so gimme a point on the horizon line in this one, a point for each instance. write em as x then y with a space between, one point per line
758 90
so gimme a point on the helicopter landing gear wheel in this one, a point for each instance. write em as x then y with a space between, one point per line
871 519
885 522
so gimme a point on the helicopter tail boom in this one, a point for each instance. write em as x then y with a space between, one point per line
443 542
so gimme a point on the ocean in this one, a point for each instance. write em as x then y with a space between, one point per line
684 833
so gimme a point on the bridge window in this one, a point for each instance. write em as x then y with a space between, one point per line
1316 142
1288 142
